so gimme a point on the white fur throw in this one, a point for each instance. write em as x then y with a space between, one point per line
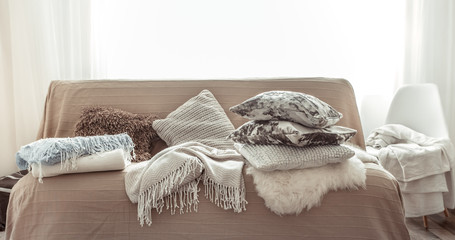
291 191
171 179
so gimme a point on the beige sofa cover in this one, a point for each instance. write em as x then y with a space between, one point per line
95 205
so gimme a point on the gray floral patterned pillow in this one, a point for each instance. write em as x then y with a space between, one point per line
288 106
290 133
281 157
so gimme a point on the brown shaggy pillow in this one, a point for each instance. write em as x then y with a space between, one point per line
96 120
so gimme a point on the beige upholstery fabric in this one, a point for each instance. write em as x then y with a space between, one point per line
66 98
95 205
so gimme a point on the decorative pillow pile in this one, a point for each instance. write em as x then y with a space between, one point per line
290 130
288 106
200 119
97 120
290 133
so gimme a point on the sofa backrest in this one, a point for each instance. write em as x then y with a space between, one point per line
65 99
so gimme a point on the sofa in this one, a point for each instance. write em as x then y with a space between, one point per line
95 206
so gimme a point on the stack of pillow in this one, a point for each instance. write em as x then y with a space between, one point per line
290 130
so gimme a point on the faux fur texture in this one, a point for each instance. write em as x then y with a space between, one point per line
98 120
291 191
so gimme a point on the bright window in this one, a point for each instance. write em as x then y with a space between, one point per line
360 40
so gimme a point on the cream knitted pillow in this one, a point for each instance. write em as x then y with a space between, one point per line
282 157
200 119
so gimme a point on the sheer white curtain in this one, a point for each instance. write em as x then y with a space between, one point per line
136 39
430 50
40 41
359 40
355 39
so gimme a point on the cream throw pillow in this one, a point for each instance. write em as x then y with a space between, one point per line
282 157
200 119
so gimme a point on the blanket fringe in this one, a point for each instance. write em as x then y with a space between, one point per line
168 193
224 196
94 145
73 148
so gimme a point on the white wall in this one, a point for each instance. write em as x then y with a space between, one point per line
7 134
373 112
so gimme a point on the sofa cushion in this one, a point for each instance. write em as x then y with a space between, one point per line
290 133
97 120
200 119
288 106
282 157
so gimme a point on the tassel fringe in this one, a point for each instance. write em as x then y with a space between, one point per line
168 193
224 196
68 150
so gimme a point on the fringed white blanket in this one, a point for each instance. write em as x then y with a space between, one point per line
66 151
291 191
171 179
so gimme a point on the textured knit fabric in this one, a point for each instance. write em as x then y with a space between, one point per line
171 179
200 119
281 157
290 133
289 106
97 120
51 151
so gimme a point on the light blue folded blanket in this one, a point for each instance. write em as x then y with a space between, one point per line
50 151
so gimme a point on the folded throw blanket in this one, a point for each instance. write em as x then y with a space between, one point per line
106 161
171 178
50 151
406 153
423 166
291 191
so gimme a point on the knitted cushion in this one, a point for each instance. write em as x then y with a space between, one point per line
200 119
288 106
281 157
96 120
290 133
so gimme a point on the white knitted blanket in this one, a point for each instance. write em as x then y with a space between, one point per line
171 178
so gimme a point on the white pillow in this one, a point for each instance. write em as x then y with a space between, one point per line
290 133
281 157
288 106
200 119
